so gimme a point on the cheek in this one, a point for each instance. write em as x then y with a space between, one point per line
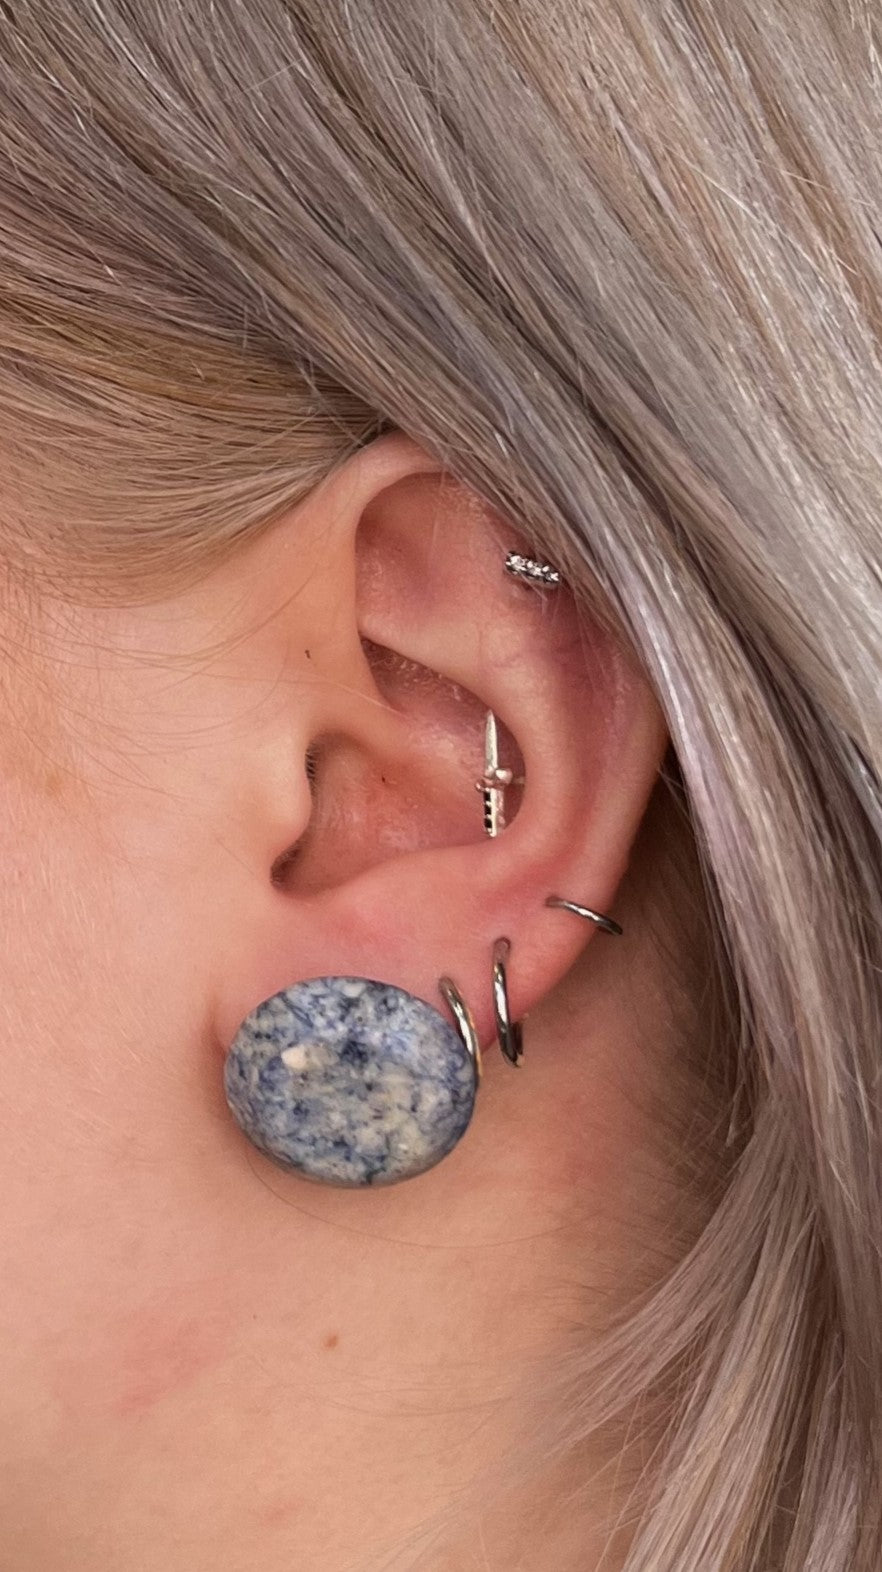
117 1292
114 1296
108 1306
130 1360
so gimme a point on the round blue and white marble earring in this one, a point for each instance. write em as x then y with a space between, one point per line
353 1082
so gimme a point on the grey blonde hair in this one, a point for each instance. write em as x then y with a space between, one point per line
619 267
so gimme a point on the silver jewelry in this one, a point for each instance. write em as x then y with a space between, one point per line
528 568
606 923
465 1024
509 1032
494 779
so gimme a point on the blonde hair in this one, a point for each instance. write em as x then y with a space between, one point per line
618 266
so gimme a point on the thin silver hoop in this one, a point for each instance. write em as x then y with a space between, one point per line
509 1032
465 1024
606 923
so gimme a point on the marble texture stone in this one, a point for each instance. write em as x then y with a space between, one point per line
350 1082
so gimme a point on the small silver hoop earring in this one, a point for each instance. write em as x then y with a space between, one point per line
606 923
465 1024
509 1032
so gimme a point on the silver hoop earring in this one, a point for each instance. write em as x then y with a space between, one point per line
606 923
353 1082
509 1032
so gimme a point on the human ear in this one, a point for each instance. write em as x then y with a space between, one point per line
412 631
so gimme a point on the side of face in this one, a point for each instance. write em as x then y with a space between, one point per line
169 1296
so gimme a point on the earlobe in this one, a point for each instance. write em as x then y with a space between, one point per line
412 886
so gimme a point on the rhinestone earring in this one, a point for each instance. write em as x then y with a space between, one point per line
534 572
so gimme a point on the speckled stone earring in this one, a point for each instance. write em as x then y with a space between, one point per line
352 1082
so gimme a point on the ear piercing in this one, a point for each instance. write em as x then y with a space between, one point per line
353 1082
508 1032
494 780
535 572
606 923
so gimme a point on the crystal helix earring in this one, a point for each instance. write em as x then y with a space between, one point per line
352 1082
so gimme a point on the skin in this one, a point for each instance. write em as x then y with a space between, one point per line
207 1362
